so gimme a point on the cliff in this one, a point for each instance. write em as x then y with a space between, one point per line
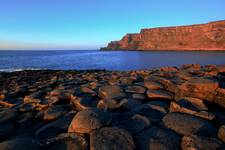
210 36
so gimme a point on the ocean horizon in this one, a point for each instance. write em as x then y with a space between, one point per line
17 60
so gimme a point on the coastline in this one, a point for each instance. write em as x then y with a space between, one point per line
90 109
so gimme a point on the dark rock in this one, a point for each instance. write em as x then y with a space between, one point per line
156 138
201 143
54 128
6 130
20 144
131 104
133 123
54 112
110 104
152 112
8 115
111 139
90 119
187 124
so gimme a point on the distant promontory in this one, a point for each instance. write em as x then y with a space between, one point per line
209 36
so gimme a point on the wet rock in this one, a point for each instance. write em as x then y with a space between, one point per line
187 124
67 141
155 138
24 117
201 143
151 85
111 92
221 133
54 112
133 123
87 90
184 106
87 120
54 128
19 144
135 89
8 115
159 94
111 139
198 88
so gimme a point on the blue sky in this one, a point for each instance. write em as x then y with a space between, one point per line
90 24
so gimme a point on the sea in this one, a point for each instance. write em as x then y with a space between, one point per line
109 60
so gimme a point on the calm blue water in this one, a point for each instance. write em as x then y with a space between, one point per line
110 60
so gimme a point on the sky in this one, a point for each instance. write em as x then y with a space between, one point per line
91 24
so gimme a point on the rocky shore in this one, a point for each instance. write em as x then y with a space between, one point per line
169 108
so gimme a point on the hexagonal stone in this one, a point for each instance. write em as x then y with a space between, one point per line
20 144
201 143
159 94
221 133
67 141
133 123
90 119
8 115
111 139
151 85
135 89
111 92
187 124
155 138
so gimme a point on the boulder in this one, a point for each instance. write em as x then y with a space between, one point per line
185 124
19 144
194 142
131 104
111 92
111 139
110 104
155 138
140 97
90 119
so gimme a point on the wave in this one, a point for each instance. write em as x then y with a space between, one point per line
20 69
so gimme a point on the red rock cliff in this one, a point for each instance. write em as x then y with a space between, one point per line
210 36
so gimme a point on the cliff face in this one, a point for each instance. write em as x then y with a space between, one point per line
210 36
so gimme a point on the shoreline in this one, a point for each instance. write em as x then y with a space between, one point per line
172 107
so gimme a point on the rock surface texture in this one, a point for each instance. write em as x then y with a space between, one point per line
210 36
169 108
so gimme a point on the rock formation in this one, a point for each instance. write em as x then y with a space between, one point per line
210 36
